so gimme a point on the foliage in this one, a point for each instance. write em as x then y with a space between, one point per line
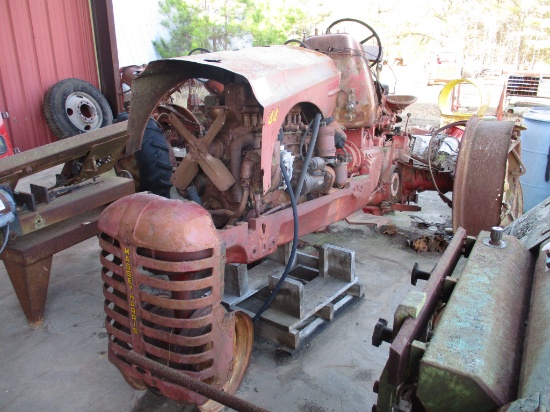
229 24
491 33
499 33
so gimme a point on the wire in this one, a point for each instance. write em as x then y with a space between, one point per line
292 252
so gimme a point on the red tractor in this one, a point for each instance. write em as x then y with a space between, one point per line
287 141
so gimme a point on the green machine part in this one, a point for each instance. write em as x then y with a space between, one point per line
473 361
535 371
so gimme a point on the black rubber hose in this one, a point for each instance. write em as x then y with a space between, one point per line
309 154
292 252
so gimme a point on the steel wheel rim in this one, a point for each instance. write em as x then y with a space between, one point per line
242 349
82 111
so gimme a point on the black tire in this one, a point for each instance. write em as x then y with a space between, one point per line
153 161
73 106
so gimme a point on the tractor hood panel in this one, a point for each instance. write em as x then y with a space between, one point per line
280 77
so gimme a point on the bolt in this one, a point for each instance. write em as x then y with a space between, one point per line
495 239
418 274
496 235
381 333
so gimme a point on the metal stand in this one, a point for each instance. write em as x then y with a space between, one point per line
28 258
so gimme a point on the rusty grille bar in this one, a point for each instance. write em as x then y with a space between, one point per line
160 306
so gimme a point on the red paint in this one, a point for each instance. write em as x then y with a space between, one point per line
6 148
43 42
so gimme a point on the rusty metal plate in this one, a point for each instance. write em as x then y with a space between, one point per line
33 161
536 357
106 189
413 328
480 173
473 360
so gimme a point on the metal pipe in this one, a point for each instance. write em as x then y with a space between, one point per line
235 163
309 154
195 385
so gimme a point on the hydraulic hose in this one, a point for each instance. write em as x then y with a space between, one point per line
294 243
293 203
309 154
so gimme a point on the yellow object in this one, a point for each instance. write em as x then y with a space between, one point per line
445 102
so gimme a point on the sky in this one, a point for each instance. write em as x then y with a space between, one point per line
137 24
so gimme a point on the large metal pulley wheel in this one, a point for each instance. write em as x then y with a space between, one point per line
372 39
73 106
482 180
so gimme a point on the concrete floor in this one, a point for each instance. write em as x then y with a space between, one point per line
63 365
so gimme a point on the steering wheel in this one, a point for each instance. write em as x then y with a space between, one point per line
202 51
301 43
198 49
373 34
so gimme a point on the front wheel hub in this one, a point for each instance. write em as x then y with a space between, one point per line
81 109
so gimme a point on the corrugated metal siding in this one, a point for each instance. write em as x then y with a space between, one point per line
41 43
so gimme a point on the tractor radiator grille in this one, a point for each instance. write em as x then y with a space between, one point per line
161 305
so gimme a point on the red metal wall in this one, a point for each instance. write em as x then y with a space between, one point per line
41 43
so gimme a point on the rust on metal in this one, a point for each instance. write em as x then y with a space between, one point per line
412 329
267 70
213 167
473 361
33 161
479 177
163 299
106 189
354 108
50 219
28 260
534 372
172 375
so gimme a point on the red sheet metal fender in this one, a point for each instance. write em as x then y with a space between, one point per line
280 77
